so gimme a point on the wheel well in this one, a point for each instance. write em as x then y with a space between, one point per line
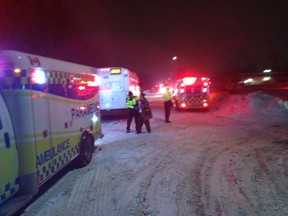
86 148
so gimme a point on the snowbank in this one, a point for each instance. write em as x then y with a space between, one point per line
254 107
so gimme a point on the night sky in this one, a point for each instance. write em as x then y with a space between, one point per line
209 37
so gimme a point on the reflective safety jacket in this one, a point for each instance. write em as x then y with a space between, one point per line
131 102
167 96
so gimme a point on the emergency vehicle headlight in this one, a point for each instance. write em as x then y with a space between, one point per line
204 90
94 119
38 76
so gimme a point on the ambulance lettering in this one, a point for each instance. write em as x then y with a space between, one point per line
82 111
52 152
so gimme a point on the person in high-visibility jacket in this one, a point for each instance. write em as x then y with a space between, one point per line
133 112
167 98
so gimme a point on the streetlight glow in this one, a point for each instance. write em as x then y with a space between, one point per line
174 58
267 71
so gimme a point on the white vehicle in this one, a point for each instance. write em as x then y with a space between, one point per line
49 116
116 82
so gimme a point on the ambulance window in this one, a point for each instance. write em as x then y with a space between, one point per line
80 88
59 89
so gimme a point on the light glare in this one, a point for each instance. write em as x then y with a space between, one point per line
39 76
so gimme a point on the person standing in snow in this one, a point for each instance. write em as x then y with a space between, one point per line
144 113
133 111
167 105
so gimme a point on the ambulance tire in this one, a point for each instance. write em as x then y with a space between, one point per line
86 149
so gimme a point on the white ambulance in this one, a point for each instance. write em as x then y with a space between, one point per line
49 116
116 82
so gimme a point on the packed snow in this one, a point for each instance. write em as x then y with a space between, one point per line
231 160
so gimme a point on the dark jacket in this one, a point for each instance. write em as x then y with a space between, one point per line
145 110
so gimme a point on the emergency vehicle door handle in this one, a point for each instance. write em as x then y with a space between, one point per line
7 140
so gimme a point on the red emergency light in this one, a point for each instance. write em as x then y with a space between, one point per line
205 84
81 88
183 105
205 104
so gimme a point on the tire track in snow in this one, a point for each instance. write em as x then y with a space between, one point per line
236 197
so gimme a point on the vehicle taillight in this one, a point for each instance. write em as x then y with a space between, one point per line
205 103
183 105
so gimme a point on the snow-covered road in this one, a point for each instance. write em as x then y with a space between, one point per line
232 160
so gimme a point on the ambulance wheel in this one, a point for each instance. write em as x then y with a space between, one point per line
86 149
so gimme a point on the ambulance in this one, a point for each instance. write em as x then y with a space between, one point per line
116 82
49 116
192 92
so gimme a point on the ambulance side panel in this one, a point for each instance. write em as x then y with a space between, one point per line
9 175
20 107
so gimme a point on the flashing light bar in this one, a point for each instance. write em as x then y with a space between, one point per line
189 80
38 76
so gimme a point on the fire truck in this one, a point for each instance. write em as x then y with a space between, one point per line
192 92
